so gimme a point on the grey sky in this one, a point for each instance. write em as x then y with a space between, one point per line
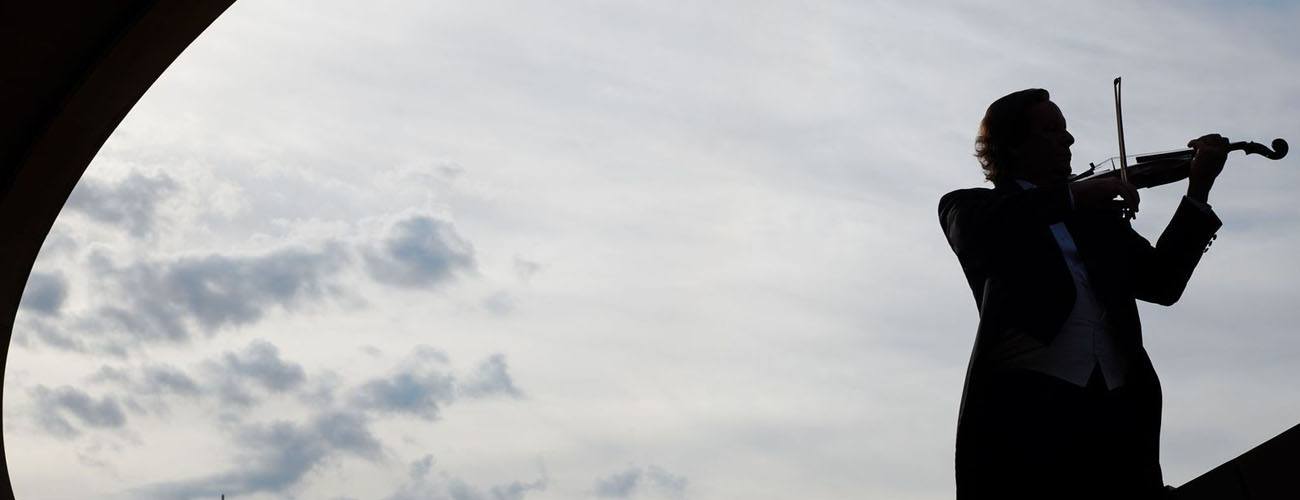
507 250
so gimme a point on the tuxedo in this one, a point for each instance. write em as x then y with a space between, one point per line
1021 433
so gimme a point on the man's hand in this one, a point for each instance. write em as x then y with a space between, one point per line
1211 154
1101 194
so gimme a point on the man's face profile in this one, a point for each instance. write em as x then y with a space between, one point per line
1044 156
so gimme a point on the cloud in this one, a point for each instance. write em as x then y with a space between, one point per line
45 293
625 484
419 385
163 300
423 485
55 406
232 379
671 484
276 456
261 363
148 390
500 303
320 389
418 390
132 202
422 386
525 269
490 378
419 251
110 374
219 291
166 379
49 332
347 431
619 484
167 300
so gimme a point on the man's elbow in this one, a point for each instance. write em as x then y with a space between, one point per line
1165 297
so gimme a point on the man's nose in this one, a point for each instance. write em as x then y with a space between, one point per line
1069 139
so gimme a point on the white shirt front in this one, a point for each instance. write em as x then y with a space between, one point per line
1084 342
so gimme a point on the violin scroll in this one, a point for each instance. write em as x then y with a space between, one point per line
1280 148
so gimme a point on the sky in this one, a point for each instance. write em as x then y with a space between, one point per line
614 250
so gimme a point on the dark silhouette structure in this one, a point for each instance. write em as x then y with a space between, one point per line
72 71
69 73
1267 472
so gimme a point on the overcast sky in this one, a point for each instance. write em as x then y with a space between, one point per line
646 250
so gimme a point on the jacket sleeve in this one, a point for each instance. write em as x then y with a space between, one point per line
972 219
1161 273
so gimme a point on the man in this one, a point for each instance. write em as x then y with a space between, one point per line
1061 400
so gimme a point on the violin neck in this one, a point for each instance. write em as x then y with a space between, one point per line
1180 154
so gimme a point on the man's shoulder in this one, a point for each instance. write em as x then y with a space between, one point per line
961 195
973 191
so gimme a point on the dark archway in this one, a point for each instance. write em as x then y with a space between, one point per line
72 71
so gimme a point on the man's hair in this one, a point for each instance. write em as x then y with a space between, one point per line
1004 126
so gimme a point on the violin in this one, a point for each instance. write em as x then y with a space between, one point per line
1158 169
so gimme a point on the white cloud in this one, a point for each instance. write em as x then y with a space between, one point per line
418 252
274 457
45 293
55 406
132 202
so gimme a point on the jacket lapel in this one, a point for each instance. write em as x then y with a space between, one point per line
1045 266
1083 229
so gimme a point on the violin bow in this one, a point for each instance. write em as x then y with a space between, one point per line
1123 157
1119 125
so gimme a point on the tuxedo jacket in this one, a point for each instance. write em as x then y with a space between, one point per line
1021 283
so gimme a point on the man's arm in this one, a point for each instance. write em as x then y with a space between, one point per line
1162 272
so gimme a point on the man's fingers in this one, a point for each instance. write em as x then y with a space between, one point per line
1210 140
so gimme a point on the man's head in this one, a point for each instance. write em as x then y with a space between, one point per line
1023 136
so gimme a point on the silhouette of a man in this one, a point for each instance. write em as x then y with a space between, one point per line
1060 399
